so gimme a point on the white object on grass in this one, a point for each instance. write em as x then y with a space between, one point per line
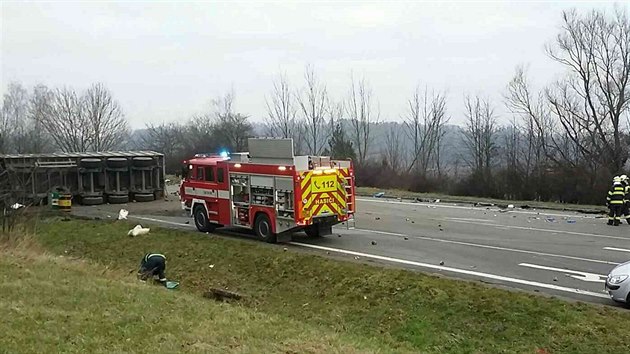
122 214
17 206
138 230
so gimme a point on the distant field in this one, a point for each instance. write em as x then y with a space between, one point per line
395 193
352 306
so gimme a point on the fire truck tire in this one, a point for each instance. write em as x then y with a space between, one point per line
312 231
262 228
201 219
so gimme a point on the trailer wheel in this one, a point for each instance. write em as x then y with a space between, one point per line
117 199
90 163
92 200
143 161
201 219
117 162
144 197
262 227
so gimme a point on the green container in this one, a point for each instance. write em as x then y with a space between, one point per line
54 200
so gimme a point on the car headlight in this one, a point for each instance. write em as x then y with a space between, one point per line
617 279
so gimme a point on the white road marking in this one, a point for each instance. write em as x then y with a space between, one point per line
490 247
584 276
457 270
467 219
437 205
545 230
162 221
617 249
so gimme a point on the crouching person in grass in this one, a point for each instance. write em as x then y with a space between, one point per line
153 265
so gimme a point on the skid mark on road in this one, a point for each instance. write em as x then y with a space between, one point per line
456 270
544 230
435 205
489 246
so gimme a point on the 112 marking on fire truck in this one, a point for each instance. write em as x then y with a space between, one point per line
269 190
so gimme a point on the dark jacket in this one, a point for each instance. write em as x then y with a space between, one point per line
153 264
616 194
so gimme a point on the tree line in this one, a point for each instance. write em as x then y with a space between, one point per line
563 142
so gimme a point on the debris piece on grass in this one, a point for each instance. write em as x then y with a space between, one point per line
222 295
441 262
211 266
555 278
570 221
285 249
510 206
122 214
406 238
138 230
373 243
379 195
17 206
187 222
437 200
377 218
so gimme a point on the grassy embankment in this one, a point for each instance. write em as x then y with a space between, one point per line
293 301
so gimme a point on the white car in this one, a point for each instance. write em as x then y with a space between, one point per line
618 284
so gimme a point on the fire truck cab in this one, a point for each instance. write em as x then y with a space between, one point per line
269 190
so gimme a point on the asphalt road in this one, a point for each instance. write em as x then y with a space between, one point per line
558 253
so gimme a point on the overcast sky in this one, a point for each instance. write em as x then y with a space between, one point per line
165 61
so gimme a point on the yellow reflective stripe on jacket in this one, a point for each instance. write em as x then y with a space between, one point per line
149 255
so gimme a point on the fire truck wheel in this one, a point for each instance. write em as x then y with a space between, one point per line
312 231
201 219
262 227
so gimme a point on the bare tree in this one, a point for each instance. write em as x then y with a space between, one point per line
105 119
230 128
313 105
480 135
425 121
590 102
282 110
40 106
360 110
393 149
65 122
165 138
14 120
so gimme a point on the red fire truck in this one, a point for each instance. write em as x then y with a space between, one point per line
269 190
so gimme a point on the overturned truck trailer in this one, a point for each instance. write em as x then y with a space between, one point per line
93 177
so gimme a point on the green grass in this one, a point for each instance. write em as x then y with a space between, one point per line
399 310
396 193
53 305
